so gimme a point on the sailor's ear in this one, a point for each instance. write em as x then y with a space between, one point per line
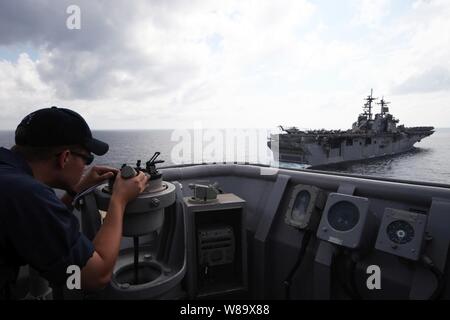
63 158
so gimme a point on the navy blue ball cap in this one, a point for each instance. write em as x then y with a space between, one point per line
53 127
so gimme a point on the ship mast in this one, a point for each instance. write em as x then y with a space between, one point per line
384 108
368 105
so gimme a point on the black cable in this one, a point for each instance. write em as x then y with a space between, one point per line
301 254
344 265
136 260
438 275
352 276
336 272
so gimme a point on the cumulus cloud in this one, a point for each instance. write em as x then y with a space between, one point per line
166 64
371 12
435 79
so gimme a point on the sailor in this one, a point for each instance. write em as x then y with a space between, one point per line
53 147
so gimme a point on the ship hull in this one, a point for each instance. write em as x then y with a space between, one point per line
348 150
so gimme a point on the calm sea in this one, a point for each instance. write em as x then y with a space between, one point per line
429 161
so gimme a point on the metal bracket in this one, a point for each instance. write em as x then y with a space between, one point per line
423 282
323 263
90 217
262 233
346 188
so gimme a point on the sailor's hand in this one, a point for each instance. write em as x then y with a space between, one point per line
94 176
127 190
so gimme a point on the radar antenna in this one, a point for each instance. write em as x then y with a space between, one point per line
383 103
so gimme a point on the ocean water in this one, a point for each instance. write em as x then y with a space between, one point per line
429 161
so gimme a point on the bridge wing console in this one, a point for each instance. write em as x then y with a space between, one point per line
402 233
345 221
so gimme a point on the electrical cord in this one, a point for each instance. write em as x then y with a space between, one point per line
352 276
339 268
438 275
345 265
288 281
85 192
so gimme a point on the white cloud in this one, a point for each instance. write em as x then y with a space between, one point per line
151 64
371 12
21 89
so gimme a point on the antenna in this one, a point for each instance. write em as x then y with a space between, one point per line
383 104
368 105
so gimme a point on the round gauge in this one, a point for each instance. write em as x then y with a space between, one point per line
343 216
400 231
301 204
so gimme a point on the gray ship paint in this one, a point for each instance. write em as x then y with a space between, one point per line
371 136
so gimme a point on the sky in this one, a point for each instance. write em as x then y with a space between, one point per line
225 64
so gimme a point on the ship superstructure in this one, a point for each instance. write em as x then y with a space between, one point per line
371 136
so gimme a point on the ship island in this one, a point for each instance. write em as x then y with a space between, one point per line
371 136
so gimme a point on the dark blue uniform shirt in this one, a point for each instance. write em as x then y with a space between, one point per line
36 228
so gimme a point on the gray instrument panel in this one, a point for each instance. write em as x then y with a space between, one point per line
402 233
345 220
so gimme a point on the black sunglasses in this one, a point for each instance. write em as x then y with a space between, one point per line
88 158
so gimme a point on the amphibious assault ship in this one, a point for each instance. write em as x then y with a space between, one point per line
371 136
